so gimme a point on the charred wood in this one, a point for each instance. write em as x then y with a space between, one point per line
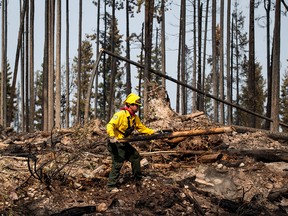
76 211
276 195
264 155
272 135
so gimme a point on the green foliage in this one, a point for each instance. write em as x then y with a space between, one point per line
284 101
245 96
38 100
8 89
87 64
104 69
208 106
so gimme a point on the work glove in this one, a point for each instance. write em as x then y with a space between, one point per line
113 140
167 131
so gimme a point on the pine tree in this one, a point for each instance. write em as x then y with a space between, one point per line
244 96
208 105
87 64
239 51
8 88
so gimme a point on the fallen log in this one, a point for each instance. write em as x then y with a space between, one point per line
172 153
204 157
191 116
210 158
77 210
270 134
276 195
175 140
194 132
191 198
264 155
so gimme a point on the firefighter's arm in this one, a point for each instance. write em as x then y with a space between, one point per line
141 128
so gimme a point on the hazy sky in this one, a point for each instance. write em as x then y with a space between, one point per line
172 23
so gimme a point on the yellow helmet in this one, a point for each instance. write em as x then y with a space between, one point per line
132 99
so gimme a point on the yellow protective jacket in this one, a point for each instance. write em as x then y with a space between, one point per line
119 123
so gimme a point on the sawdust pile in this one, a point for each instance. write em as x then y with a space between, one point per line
65 172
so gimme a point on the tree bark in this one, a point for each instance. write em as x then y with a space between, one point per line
128 68
45 70
31 47
251 66
79 64
3 92
221 74
267 6
113 64
149 10
194 75
163 43
228 59
26 72
200 100
51 75
183 57
276 69
98 53
214 63
58 68
67 110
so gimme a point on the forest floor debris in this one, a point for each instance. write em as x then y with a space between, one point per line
65 172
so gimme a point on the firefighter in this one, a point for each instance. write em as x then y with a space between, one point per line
121 125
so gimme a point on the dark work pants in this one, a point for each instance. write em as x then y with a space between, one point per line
121 152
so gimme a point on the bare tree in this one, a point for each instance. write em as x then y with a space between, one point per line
228 69
22 83
31 69
26 72
214 59
97 51
45 70
3 92
251 65
200 101
267 6
163 45
58 68
113 64
67 111
178 93
221 75
183 56
205 42
128 68
79 64
194 79
276 68
149 10
51 65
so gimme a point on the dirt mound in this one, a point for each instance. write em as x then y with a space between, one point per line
65 172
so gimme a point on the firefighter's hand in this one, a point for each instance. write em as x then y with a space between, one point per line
113 140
